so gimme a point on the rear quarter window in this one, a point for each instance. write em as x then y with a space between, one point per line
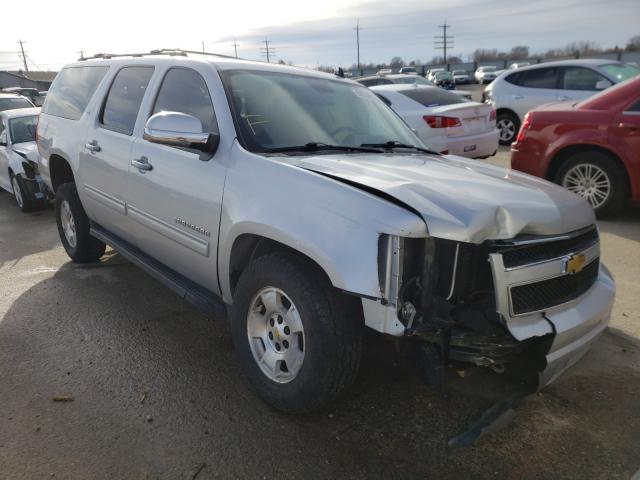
514 78
432 97
72 90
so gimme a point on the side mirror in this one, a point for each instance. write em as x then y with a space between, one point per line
180 130
602 84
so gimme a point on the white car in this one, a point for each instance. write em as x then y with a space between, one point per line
445 122
10 101
513 66
19 158
461 76
485 74
516 92
431 74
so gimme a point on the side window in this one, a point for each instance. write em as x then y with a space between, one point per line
579 78
539 78
184 90
124 98
72 90
514 78
634 108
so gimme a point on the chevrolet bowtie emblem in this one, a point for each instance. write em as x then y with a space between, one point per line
575 263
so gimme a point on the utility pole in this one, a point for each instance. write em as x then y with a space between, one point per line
235 46
203 46
24 57
81 52
267 51
357 29
444 42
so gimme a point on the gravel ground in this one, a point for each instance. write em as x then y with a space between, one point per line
155 392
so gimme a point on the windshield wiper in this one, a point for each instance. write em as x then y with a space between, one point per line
390 145
318 146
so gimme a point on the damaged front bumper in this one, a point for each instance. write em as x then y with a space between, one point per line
531 306
577 327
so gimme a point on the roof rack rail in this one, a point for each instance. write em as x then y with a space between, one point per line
162 51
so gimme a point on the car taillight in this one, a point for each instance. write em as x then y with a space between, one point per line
526 124
492 116
435 121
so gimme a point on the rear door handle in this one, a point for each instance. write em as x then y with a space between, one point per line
517 97
562 98
142 164
92 146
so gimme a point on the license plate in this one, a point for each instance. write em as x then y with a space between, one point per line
469 148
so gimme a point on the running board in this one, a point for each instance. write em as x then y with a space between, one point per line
198 296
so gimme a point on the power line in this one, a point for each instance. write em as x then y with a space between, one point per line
357 29
444 41
235 46
24 57
267 51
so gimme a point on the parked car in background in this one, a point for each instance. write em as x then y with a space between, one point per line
461 77
519 65
19 158
515 93
591 148
485 74
410 79
384 71
31 93
10 101
444 79
410 70
444 121
431 73
373 80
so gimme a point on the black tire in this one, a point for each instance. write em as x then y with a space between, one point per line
508 123
618 193
21 197
332 333
87 249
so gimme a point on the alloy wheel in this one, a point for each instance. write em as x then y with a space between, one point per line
507 129
276 334
68 224
17 192
590 182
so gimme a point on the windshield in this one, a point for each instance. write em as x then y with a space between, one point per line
277 110
459 72
443 75
620 71
23 129
13 103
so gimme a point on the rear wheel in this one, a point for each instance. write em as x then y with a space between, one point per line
298 339
508 124
73 227
596 177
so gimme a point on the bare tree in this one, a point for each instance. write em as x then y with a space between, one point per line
634 44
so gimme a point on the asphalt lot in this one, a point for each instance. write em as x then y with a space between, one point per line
157 393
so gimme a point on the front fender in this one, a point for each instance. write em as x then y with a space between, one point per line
334 224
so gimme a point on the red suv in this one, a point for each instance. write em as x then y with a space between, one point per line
592 147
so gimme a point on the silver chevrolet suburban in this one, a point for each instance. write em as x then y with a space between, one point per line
301 205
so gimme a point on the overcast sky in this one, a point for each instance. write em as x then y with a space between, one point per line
309 33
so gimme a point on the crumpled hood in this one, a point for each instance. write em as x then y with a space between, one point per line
28 150
459 199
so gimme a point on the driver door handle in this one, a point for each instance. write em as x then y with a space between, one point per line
142 164
562 98
92 146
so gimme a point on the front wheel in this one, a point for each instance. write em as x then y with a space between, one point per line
73 227
508 124
596 177
298 340
21 195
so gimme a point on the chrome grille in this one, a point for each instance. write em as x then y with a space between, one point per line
533 297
